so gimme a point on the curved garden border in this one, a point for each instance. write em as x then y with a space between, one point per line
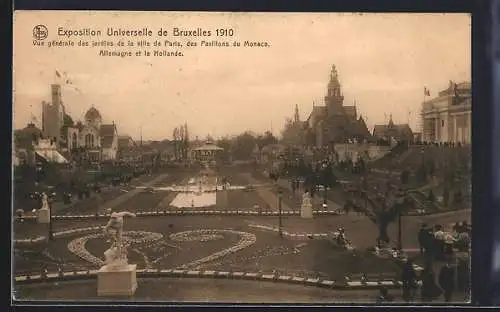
346 284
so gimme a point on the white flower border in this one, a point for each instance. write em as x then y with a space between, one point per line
77 246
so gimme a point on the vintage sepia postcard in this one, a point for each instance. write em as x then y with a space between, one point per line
241 157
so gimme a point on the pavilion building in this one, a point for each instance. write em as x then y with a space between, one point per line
447 117
207 153
334 122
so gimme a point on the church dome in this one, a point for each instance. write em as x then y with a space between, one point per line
92 114
31 130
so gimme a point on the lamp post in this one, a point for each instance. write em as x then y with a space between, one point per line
400 219
400 232
280 221
51 232
325 183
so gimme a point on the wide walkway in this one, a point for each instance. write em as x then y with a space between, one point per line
131 193
204 291
269 197
331 205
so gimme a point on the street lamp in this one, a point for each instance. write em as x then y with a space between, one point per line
326 172
280 221
400 219
51 232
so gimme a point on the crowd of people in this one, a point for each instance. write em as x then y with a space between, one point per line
438 244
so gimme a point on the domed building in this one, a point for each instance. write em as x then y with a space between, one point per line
97 141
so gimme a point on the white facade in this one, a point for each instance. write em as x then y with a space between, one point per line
363 150
111 152
445 121
47 149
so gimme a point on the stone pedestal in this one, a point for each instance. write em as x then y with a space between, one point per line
306 211
117 281
43 215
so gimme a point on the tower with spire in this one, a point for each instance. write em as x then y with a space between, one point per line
334 98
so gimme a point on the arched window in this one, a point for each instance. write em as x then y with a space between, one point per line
88 140
91 141
74 143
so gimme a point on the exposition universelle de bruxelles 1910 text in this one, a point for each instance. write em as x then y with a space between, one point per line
162 42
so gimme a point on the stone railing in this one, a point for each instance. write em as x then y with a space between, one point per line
185 212
346 284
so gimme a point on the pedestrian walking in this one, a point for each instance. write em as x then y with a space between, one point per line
384 296
409 279
430 290
439 237
447 280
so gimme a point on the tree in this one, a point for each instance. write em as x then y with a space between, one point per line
328 179
175 137
226 144
266 139
381 211
243 146
404 177
68 121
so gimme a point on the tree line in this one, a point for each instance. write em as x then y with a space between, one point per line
242 146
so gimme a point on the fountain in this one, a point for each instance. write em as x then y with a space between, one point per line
200 191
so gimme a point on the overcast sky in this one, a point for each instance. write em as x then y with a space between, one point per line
384 61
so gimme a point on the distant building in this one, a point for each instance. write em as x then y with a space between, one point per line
46 151
393 132
53 115
93 140
447 117
125 141
109 142
31 147
334 122
24 141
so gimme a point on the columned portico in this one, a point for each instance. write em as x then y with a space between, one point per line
447 118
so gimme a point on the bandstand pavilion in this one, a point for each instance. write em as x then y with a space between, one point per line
208 153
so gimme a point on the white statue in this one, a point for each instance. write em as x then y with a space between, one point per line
306 199
43 214
116 255
45 201
306 208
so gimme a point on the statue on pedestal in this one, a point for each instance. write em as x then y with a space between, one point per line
116 255
306 207
43 214
45 201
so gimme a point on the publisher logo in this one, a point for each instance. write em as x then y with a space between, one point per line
40 32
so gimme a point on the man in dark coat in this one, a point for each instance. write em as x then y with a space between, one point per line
423 239
447 281
429 290
409 279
